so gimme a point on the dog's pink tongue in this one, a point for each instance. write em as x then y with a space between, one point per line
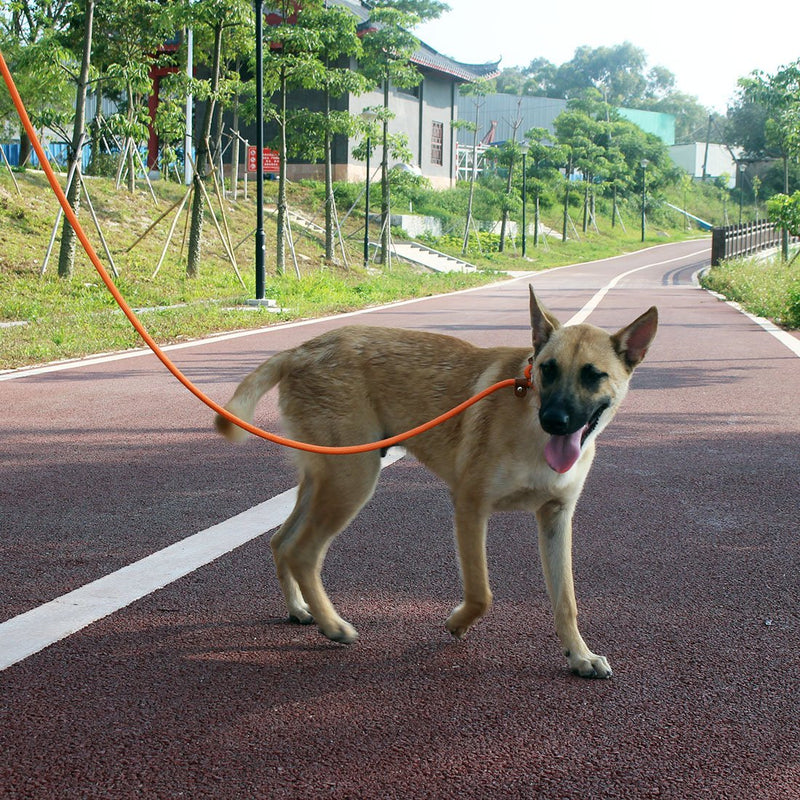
561 452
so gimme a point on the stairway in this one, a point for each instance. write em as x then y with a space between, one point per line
429 258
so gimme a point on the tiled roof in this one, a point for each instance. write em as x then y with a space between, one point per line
426 57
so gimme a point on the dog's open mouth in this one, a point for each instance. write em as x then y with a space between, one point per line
561 452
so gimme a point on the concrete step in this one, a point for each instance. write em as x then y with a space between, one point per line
430 259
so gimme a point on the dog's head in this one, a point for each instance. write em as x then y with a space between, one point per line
582 375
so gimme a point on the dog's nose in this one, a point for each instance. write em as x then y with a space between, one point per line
555 420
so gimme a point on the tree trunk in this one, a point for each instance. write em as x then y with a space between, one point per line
235 149
66 257
201 171
385 240
566 203
280 249
465 245
614 208
328 181
586 205
25 149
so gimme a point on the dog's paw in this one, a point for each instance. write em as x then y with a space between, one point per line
343 632
589 665
300 618
462 619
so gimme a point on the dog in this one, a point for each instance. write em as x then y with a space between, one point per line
361 384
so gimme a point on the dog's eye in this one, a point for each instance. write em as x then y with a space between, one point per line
549 371
591 376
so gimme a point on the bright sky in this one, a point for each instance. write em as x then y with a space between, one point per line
707 44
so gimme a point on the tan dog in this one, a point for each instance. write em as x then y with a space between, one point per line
362 384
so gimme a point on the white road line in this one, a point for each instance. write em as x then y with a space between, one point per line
29 633
785 338
583 314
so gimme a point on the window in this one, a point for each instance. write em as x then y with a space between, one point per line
437 143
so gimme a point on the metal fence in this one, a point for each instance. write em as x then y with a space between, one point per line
744 240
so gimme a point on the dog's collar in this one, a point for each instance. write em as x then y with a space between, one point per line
521 385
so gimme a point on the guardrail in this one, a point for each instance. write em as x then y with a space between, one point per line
744 240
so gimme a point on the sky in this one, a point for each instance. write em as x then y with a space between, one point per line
707 44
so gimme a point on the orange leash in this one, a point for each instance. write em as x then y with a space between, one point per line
520 385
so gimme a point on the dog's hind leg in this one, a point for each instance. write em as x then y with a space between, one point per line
295 604
333 490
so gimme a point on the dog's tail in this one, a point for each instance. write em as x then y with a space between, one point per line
248 393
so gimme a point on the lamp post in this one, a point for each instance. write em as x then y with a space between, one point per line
369 117
644 162
261 239
742 168
524 147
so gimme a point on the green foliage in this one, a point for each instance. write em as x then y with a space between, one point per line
765 287
784 211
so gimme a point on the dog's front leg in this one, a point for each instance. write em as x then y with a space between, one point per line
471 541
555 548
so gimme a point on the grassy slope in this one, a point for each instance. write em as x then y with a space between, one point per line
77 316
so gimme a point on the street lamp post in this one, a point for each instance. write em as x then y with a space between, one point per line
644 163
369 117
524 147
742 168
261 239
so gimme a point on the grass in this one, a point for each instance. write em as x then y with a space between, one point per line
766 287
45 318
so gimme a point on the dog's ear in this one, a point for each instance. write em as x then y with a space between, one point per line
543 323
632 342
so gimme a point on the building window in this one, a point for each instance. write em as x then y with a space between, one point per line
437 143
411 91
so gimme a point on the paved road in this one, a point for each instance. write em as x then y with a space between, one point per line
686 561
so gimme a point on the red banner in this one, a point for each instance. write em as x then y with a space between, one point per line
270 158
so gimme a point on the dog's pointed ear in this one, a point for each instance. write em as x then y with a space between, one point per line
632 342
543 323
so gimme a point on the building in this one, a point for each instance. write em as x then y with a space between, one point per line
424 114
497 113
707 160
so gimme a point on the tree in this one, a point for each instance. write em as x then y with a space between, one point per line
388 47
542 164
337 43
66 257
30 37
211 19
574 130
290 63
779 96
130 33
477 91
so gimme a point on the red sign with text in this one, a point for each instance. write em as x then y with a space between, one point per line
270 158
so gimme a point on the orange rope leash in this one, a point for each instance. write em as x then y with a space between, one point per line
521 385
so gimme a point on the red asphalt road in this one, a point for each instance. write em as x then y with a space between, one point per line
686 566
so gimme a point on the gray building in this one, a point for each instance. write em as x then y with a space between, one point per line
424 114
496 115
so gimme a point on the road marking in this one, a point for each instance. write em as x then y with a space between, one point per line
595 301
29 633
784 337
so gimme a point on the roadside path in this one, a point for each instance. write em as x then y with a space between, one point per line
686 562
